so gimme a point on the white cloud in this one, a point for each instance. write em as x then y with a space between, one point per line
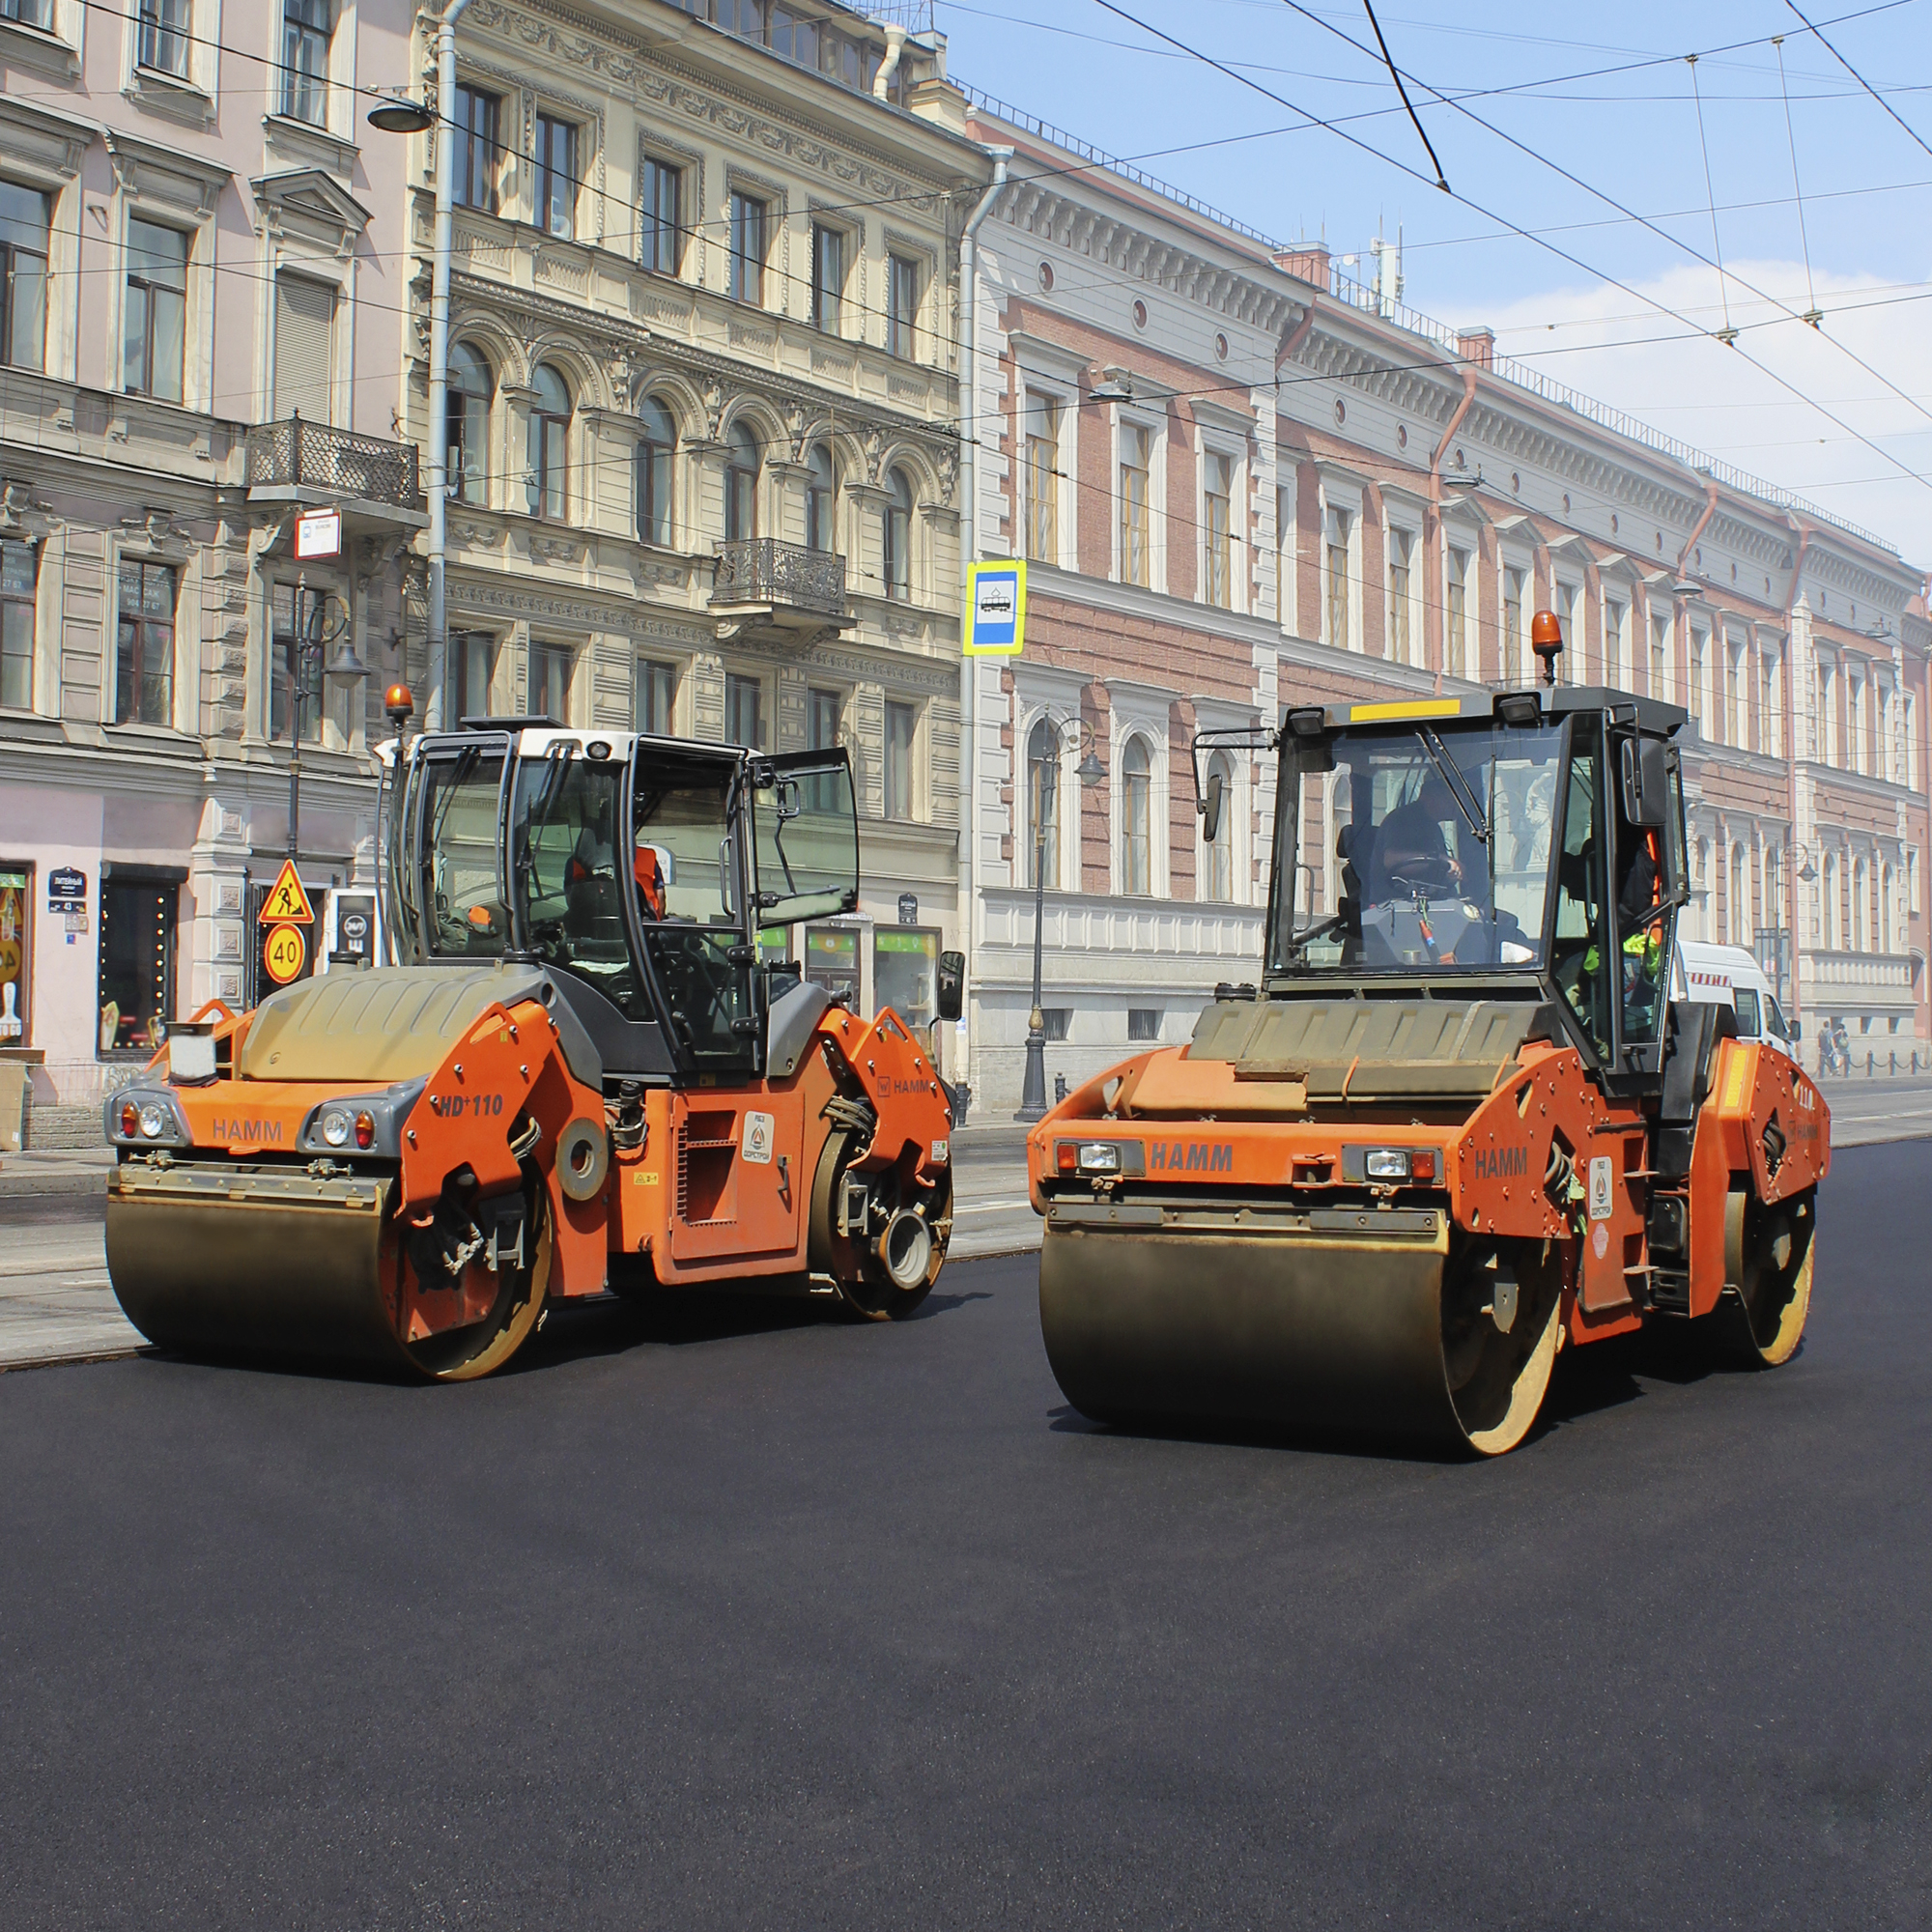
1710 396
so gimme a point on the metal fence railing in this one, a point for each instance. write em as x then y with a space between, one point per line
317 456
762 570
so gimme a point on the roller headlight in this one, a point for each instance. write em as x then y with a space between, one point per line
1387 1164
155 1122
335 1128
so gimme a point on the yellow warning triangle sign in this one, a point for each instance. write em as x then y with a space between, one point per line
287 904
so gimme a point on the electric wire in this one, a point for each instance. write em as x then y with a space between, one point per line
1858 76
1727 335
1812 314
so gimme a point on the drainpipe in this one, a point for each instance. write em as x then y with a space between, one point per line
1697 530
1793 1004
1432 609
895 39
969 481
439 359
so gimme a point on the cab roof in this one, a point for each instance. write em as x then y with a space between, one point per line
1522 704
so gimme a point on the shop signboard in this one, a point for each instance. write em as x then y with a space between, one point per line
14 902
67 890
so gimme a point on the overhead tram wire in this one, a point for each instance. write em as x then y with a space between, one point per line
1395 75
1727 335
1813 315
1610 200
1856 76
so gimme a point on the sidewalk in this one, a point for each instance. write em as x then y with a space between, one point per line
59 1173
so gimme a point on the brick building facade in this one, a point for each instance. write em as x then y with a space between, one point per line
1244 482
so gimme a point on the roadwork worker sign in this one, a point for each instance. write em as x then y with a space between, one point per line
995 608
287 903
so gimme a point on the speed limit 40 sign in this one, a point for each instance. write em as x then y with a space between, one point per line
283 953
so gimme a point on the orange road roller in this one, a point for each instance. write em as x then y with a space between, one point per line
575 1072
1462 1120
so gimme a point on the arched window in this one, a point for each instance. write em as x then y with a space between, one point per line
1219 880
896 520
741 484
1740 911
467 413
1885 938
547 485
657 445
1136 819
1861 907
1834 912
820 495
1043 807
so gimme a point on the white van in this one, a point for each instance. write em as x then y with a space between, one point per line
1730 976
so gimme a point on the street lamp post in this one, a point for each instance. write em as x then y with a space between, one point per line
1033 1089
306 673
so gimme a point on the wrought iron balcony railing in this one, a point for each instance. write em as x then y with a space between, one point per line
314 456
762 570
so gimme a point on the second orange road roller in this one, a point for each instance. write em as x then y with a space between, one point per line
1462 1118
576 1072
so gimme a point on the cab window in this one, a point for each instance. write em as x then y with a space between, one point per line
1579 958
1750 1023
460 897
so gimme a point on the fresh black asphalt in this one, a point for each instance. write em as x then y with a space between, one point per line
769 1622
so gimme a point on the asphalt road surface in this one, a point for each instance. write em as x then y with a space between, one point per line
693 1622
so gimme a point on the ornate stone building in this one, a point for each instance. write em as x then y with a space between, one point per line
703 422
204 294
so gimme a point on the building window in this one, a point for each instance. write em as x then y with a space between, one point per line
902 307
1135 498
1457 635
825 712
1218 875
1056 1022
306 25
551 671
1336 530
467 413
304 348
1616 644
662 217
896 521
1142 1023
744 712
557 177
294 619
16 624
473 668
901 725
821 495
23 276
655 698
545 486
137 963
1041 431
746 271
828 278
473 179
657 445
29 13
1660 647
155 334
1217 521
1043 807
1136 819
741 485
144 659
1401 551
164 37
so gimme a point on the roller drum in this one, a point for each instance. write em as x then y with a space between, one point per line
1295 1333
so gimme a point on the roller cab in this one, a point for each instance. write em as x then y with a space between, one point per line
1455 1124
574 1072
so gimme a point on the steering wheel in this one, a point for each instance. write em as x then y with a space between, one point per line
1430 873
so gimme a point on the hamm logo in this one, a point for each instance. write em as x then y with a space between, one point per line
1191 1157
1502 1163
248 1133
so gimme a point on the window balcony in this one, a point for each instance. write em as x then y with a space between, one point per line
764 586
372 481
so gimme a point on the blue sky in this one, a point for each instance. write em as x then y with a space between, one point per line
1607 94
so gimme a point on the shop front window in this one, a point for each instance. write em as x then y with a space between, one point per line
15 901
906 972
138 962
832 960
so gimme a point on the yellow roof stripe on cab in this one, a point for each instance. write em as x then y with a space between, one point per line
1413 707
